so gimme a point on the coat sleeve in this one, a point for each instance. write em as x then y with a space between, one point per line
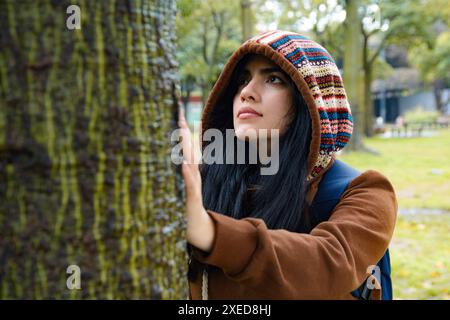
327 263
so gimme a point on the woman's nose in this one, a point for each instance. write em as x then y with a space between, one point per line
250 91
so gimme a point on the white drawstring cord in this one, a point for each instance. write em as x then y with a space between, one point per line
205 285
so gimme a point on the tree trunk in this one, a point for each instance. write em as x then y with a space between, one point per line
369 107
247 18
85 172
437 94
352 70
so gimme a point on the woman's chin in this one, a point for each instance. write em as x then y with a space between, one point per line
247 134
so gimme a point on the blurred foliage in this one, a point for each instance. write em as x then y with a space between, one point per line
382 69
321 20
429 51
432 58
208 32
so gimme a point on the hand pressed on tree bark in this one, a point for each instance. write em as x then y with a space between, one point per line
200 227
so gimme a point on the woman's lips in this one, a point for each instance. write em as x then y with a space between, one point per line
248 115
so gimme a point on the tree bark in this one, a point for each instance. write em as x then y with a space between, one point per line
85 172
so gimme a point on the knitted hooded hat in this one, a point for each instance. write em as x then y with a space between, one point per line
318 80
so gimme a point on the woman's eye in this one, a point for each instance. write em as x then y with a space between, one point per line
242 81
272 79
275 79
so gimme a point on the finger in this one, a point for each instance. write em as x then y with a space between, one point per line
199 138
185 135
181 119
191 150
186 144
186 173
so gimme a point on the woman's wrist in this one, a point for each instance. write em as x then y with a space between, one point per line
201 231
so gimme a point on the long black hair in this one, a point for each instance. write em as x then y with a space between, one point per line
239 190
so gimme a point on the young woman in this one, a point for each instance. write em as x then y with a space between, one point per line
253 236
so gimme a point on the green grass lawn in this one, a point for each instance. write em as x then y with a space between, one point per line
419 169
420 257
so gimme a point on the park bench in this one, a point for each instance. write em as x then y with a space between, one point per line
416 128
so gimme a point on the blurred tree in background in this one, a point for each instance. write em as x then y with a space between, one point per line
208 33
247 19
430 50
86 177
433 61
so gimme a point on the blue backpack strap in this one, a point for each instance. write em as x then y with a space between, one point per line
386 281
333 184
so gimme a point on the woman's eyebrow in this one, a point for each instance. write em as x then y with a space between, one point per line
265 70
270 70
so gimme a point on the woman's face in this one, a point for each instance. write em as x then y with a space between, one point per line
263 99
